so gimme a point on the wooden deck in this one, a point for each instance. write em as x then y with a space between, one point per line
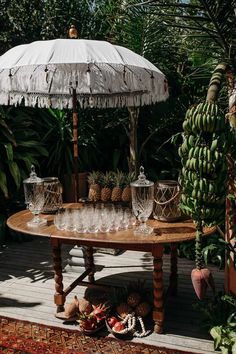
27 290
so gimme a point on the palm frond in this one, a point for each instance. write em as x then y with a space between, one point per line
214 18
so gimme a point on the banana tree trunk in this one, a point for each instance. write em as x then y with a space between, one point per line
230 226
230 236
215 82
201 276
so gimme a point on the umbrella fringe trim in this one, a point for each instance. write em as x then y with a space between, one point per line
96 85
85 101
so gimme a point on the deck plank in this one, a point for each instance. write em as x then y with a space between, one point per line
27 289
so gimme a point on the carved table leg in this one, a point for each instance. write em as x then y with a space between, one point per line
158 311
59 297
89 262
173 269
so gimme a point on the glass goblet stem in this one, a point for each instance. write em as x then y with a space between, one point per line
36 221
143 228
36 218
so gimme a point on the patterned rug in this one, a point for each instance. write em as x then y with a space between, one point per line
22 337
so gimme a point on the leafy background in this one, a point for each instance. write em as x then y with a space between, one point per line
184 39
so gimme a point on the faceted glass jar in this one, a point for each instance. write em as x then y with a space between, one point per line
34 197
142 192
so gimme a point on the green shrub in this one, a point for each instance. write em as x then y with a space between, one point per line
219 318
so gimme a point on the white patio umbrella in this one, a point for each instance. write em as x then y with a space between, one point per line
59 73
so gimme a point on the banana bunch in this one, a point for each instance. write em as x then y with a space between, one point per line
203 178
205 117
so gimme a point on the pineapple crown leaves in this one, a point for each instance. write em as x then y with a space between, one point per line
94 177
129 177
118 178
106 179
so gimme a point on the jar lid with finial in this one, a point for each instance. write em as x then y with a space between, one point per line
142 181
33 178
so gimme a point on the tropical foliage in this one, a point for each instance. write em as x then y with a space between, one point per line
219 318
96 134
185 39
213 250
20 147
113 20
200 25
182 39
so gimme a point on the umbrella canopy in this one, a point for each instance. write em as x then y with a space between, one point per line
44 74
59 73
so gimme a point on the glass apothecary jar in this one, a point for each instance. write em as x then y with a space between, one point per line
142 191
34 197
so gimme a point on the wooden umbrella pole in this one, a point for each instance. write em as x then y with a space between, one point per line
75 145
73 34
133 147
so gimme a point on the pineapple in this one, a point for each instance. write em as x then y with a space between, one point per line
143 309
126 194
133 299
123 309
106 182
94 186
117 190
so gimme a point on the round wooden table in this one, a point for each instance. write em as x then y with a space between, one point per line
171 233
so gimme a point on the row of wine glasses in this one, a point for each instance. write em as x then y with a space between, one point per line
95 218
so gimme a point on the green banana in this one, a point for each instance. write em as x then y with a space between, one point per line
204 173
191 140
214 144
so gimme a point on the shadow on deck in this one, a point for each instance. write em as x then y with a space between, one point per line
27 289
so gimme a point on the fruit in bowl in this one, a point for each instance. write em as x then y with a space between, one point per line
88 323
92 322
123 309
114 324
99 312
112 321
118 326
121 327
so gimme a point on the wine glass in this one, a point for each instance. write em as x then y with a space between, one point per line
59 219
142 202
35 204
